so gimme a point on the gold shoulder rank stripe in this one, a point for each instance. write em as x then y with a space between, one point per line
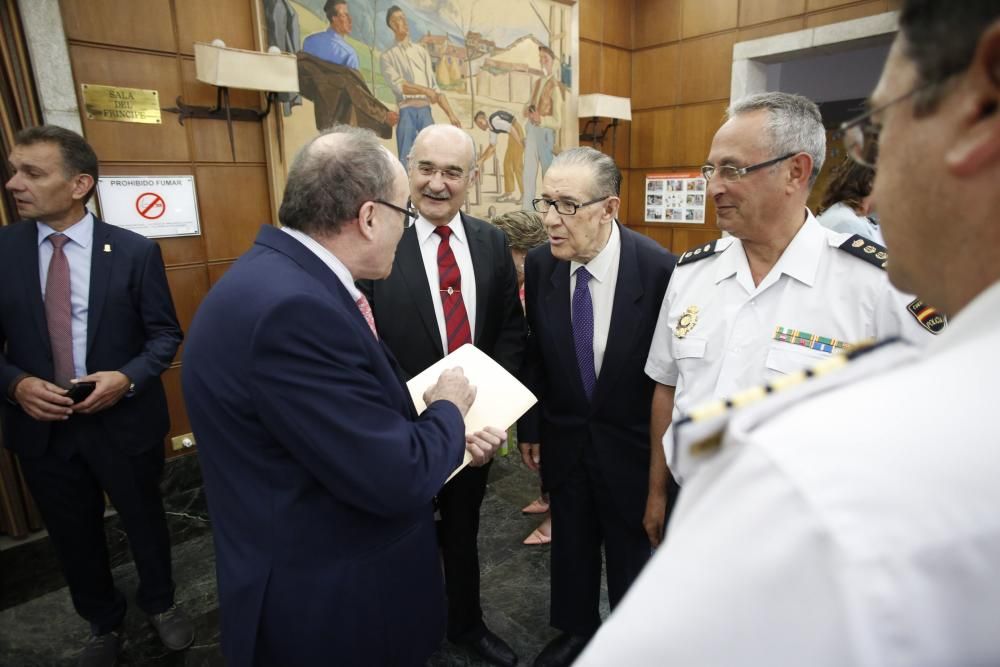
862 248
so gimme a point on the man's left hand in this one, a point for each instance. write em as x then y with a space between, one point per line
483 445
109 389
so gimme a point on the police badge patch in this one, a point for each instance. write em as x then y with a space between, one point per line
927 316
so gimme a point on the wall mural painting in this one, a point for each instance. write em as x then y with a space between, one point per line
505 71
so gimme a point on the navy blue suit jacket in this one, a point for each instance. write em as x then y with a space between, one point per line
318 473
616 422
131 327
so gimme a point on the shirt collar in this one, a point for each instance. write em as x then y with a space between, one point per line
80 232
600 267
328 258
800 260
425 228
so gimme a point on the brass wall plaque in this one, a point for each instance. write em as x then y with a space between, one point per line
125 105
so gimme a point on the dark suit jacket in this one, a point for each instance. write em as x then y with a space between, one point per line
131 327
340 95
404 311
616 423
318 474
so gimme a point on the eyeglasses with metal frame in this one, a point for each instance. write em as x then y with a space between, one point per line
732 174
409 214
860 134
563 207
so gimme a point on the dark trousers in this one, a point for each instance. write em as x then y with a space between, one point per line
68 483
458 533
585 516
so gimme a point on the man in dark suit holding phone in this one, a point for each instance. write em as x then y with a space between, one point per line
453 282
86 308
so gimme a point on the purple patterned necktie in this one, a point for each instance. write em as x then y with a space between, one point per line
583 331
59 312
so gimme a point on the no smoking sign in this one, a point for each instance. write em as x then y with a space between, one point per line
154 206
150 205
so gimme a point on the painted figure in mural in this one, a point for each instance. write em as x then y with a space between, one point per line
331 45
544 114
503 122
407 69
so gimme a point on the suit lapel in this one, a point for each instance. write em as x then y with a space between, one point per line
410 264
28 257
100 273
625 316
479 251
557 310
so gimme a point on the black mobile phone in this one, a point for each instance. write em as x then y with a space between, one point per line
80 391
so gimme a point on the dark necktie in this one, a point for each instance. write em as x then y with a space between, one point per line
583 331
456 319
59 312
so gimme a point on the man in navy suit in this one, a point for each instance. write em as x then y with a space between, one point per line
319 473
421 322
592 298
84 301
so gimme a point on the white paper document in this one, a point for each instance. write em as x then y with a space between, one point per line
500 398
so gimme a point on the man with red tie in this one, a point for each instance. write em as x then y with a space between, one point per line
453 282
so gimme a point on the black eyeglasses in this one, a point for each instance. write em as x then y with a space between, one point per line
732 174
563 207
860 134
409 215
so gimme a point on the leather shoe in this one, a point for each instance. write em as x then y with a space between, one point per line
492 649
561 651
101 651
174 627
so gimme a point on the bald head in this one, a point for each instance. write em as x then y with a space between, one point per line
443 133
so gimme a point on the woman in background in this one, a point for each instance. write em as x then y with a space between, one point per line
525 231
847 205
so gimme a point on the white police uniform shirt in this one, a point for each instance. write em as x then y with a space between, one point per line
827 533
718 333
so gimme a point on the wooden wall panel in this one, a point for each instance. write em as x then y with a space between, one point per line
760 11
660 233
590 67
656 77
616 71
119 142
617 21
847 13
653 138
701 17
234 202
769 29
706 65
624 195
200 21
146 24
689 236
656 22
694 128
820 5
188 285
217 270
592 19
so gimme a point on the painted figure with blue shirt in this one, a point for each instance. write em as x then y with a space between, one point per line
331 45
87 302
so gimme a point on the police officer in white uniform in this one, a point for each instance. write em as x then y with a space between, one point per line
856 523
778 295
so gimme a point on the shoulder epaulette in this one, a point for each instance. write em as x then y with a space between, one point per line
866 249
703 251
700 430
927 316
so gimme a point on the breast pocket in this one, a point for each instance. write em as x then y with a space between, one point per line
785 358
689 348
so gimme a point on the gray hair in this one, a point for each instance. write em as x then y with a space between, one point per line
330 180
607 178
795 126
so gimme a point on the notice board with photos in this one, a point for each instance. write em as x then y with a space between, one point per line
676 197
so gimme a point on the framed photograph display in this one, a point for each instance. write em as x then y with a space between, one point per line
677 197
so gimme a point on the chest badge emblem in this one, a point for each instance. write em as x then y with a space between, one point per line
686 322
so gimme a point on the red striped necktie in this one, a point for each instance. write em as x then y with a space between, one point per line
456 319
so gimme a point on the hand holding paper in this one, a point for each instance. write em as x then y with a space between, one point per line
452 385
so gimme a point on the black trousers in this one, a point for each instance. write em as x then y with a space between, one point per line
68 483
458 533
585 516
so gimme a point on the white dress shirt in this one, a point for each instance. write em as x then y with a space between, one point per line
78 252
459 242
814 288
604 269
829 534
